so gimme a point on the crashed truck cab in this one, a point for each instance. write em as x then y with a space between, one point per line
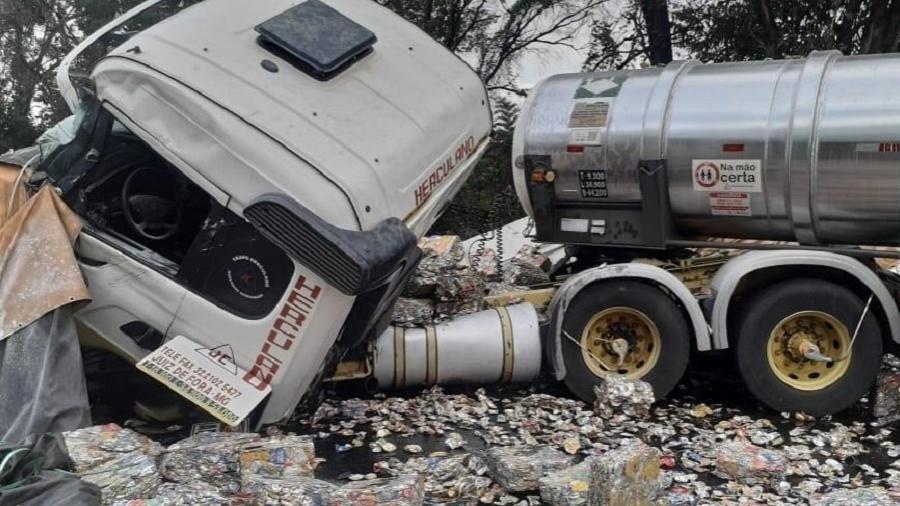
254 176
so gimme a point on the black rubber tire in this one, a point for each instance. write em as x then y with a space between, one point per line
769 307
668 317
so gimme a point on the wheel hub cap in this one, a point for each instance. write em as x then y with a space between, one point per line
621 340
802 349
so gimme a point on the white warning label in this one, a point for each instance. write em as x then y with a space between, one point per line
729 204
208 377
585 136
727 175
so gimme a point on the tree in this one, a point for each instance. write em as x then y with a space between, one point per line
493 34
726 30
659 33
734 30
487 199
618 41
35 35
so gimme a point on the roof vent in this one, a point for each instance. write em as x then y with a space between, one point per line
316 38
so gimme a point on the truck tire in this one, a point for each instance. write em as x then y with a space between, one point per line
772 330
648 321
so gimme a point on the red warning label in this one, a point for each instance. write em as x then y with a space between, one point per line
729 204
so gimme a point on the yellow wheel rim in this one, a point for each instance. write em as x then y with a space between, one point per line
605 334
789 337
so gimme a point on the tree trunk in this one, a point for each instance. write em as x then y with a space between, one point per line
881 34
656 15
763 13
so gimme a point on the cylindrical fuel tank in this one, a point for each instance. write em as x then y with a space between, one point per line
803 150
496 345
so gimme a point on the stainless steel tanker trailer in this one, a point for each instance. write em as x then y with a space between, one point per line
637 171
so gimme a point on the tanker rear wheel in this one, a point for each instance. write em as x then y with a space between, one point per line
628 328
776 331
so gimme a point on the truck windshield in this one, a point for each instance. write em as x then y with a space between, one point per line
84 62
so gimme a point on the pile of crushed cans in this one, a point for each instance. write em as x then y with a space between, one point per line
451 281
522 447
513 445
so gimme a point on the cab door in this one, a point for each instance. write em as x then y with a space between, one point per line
132 304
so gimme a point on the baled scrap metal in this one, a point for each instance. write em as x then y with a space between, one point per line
298 491
523 275
530 255
441 256
133 475
282 457
453 478
409 312
567 487
520 468
484 263
886 405
406 490
212 457
678 496
863 496
92 446
618 395
527 268
627 476
459 294
747 463
185 494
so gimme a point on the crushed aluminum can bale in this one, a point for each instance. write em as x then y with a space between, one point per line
526 268
886 407
868 496
518 468
298 491
567 487
443 247
529 255
747 463
678 496
186 494
281 457
410 312
485 264
627 476
92 446
456 478
503 288
519 274
442 256
618 395
130 476
212 457
458 295
406 490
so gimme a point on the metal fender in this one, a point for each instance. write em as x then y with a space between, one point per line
730 275
560 303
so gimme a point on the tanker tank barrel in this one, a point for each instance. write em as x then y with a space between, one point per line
802 150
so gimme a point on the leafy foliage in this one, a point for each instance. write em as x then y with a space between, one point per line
35 35
734 30
487 199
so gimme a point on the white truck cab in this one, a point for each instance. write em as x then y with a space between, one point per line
255 175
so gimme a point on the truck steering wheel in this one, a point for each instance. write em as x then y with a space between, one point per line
150 215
